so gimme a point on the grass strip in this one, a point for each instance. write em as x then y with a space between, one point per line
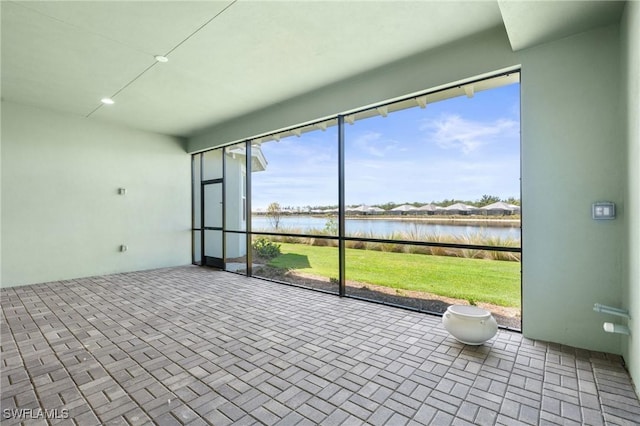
478 280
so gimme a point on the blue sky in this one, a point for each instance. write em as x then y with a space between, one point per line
458 148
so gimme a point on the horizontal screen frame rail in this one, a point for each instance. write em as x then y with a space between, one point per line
384 241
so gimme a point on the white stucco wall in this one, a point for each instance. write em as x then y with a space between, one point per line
62 217
630 35
236 244
572 155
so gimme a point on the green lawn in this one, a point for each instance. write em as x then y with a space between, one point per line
491 281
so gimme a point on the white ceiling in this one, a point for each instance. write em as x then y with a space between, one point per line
533 22
228 58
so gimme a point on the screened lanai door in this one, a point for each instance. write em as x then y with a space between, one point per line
212 196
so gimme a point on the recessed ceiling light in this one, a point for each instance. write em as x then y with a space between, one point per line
107 101
161 58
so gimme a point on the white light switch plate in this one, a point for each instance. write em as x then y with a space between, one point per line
603 210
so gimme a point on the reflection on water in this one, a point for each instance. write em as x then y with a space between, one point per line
385 227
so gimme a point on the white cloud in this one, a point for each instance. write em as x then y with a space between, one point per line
374 144
455 132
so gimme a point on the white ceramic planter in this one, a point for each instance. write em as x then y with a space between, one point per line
469 324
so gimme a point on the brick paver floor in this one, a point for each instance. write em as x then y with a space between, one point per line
190 345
